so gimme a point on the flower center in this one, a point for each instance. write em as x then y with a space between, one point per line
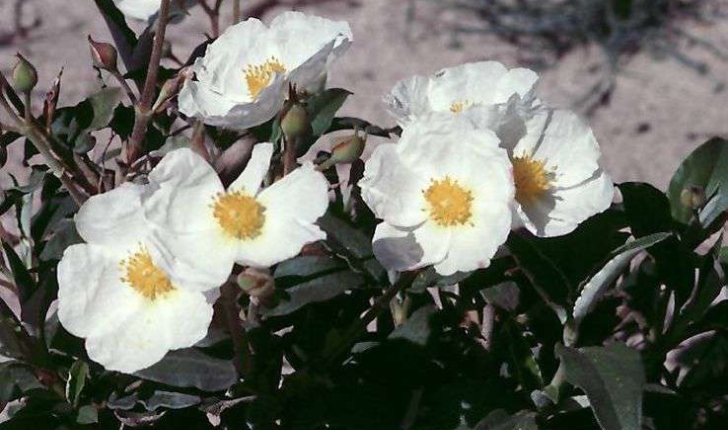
531 179
239 214
460 105
258 76
144 276
450 203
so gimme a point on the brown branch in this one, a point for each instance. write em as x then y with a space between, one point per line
143 108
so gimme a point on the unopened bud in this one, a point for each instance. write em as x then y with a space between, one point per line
346 151
295 122
693 197
25 77
104 55
256 283
170 89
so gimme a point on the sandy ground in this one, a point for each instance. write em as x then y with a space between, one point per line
679 107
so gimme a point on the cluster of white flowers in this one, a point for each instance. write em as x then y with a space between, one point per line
478 156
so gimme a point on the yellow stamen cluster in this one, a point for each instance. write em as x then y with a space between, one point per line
258 76
460 106
240 216
531 179
449 203
144 276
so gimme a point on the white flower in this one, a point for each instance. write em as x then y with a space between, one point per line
210 227
138 9
243 77
444 193
120 290
456 89
559 182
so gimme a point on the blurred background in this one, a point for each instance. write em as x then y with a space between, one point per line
649 75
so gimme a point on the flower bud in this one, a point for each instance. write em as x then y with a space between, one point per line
104 55
346 151
295 122
256 283
170 89
693 197
25 77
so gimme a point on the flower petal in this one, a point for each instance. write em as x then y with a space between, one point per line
92 298
197 100
254 173
114 218
300 36
408 99
138 9
292 206
392 190
178 320
473 246
487 82
185 187
562 211
564 142
402 250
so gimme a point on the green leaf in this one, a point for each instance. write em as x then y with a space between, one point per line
323 106
316 290
612 378
64 235
550 283
416 328
501 420
598 284
707 168
17 380
73 125
505 295
21 276
77 375
169 400
517 352
87 415
306 266
351 244
192 368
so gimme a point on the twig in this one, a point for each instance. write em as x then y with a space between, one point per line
237 15
143 111
124 85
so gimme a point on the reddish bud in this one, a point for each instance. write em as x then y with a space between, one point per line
104 55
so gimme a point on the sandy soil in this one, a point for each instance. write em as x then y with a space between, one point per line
678 107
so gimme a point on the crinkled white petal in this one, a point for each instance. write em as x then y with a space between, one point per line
92 298
302 37
564 142
185 186
561 211
410 249
408 99
114 218
292 206
198 101
252 177
222 68
473 246
391 189
138 9
485 83
438 143
178 319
